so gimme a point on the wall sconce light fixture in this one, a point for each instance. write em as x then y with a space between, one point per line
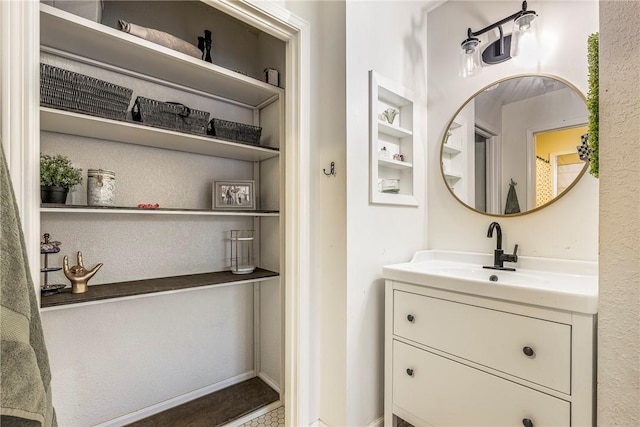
500 50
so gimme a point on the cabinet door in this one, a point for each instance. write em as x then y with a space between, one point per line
447 393
492 338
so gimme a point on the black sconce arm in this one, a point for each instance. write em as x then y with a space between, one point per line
499 23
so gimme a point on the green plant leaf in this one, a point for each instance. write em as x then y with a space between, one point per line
57 171
593 103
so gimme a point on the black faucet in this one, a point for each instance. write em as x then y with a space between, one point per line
499 257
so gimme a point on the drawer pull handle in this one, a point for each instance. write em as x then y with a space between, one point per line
410 318
529 352
526 422
410 372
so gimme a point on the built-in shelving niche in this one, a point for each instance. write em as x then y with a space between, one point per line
391 143
233 89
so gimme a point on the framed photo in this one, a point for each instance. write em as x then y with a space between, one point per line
233 195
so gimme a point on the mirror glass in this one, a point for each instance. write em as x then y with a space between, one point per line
512 148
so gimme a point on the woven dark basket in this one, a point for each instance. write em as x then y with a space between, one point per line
239 132
169 115
68 90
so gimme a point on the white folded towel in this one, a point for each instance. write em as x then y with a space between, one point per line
161 38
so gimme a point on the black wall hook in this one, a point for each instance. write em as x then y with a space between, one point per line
332 171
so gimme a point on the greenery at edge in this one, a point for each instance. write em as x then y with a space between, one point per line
57 171
592 104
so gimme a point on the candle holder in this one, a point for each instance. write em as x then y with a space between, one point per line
207 46
48 247
241 247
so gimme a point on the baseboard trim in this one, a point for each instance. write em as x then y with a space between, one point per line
379 422
175 401
270 382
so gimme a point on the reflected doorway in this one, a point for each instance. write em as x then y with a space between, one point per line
557 162
480 165
487 173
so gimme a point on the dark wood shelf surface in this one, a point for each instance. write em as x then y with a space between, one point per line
55 207
148 286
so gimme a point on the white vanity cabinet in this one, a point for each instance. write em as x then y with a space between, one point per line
454 359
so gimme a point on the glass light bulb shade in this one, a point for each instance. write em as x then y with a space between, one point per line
469 62
524 22
469 45
524 35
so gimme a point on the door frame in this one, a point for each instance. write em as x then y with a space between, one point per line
531 152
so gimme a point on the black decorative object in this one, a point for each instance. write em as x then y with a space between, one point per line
68 90
332 170
233 131
169 115
49 247
207 46
201 46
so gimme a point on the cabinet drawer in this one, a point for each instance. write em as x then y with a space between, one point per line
447 393
492 338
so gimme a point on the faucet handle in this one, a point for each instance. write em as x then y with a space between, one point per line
514 256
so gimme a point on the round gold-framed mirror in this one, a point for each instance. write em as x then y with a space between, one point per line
514 147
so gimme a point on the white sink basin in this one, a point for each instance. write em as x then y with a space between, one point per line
561 284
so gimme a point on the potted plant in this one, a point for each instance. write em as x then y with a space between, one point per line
57 175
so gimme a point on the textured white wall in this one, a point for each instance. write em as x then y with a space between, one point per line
112 359
566 229
389 38
619 312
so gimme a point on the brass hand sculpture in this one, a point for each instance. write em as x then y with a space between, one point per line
78 275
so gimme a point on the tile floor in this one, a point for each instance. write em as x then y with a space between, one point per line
274 418
403 423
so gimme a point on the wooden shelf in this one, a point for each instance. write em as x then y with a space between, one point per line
396 199
394 131
71 33
70 123
56 208
149 286
394 164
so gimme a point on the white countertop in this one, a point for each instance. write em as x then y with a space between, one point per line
560 284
